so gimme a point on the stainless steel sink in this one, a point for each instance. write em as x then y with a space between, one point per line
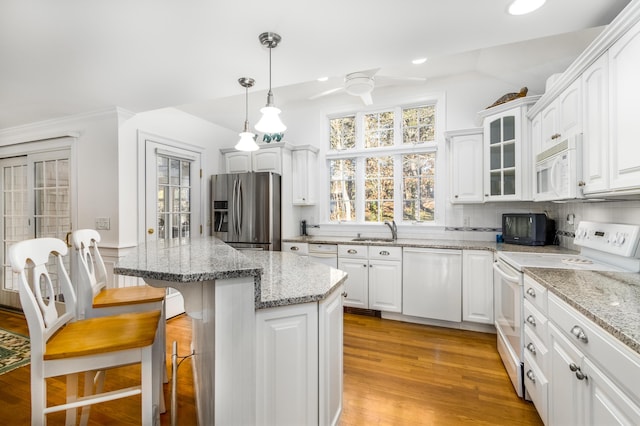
373 240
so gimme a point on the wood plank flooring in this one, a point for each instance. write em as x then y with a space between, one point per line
394 374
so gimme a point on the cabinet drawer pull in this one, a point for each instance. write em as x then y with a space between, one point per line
384 253
352 251
531 376
579 333
579 374
531 348
531 292
531 320
344 294
294 248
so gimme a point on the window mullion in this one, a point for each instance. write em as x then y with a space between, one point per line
397 188
360 187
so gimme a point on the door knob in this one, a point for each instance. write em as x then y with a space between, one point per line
150 231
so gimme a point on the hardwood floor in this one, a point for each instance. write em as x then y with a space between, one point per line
394 374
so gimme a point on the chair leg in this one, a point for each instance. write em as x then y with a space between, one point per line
93 384
150 392
72 395
38 398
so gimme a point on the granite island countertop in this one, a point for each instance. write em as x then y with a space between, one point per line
280 278
610 299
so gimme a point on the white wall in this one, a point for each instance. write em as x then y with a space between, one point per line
465 95
175 125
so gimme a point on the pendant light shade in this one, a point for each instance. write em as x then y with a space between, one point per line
270 121
247 140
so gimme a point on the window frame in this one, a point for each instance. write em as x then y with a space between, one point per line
360 153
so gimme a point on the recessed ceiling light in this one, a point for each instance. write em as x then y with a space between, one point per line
323 78
419 61
522 7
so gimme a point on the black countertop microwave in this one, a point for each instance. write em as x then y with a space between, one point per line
529 229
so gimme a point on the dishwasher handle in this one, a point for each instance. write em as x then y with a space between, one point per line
508 277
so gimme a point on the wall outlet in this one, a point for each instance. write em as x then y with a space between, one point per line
103 223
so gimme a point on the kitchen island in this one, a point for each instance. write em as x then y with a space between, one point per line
267 329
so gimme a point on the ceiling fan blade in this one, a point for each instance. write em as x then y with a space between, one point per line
370 72
326 92
366 98
394 79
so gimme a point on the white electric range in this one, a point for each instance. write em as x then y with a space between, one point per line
604 247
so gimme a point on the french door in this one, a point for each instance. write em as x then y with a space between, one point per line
173 200
35 202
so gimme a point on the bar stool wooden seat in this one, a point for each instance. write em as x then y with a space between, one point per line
95 299
62 346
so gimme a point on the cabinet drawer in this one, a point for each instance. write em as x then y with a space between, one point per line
537 349
296 248
535 293
352 251
620 363
385 253
537 386
535 321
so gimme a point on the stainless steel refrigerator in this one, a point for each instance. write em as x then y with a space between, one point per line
245 210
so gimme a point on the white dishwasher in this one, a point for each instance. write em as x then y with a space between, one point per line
324 253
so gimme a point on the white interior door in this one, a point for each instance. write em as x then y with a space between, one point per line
173 200
35 202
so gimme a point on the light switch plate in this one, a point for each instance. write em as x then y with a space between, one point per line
103 223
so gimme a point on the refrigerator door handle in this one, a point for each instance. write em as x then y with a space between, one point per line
240 206
234 203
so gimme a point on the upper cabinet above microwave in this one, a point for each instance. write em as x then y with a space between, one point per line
606 76
507 151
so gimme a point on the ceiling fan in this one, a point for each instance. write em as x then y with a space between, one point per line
362 83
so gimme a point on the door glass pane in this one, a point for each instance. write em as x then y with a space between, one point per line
495 157
509 128
174 197
509 152
14 189
495 135
496 184
509 182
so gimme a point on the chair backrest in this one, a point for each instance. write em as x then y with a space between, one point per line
30 259
92 274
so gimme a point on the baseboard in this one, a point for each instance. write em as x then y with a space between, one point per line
464 325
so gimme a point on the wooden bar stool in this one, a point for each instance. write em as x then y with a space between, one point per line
62 346
95 299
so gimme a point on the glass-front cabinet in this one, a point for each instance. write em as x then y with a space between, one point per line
507 151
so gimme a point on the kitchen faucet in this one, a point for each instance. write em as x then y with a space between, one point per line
393 227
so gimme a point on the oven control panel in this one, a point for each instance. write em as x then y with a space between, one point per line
613 238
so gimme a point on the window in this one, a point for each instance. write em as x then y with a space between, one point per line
382 165
343 190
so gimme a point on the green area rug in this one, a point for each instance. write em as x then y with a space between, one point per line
14 351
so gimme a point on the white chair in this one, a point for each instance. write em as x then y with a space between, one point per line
61 346
95 299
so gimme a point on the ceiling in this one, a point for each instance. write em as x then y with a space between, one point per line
65 57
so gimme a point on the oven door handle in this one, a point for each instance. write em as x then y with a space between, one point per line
512 278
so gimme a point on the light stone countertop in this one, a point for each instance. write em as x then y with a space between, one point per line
281 278
429 243
610 299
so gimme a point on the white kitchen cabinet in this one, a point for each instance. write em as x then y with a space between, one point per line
466 165
304 169
432 283
593 379
563 118
477 286
274 157
287 350
595 137
375 276
299 350
301 249
508 160
237 162
624 63
330 358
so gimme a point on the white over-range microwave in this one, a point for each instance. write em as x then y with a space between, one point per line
559 171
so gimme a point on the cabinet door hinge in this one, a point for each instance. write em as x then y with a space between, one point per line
200 173
200 229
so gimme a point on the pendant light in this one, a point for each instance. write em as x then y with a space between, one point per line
270 121
247 140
